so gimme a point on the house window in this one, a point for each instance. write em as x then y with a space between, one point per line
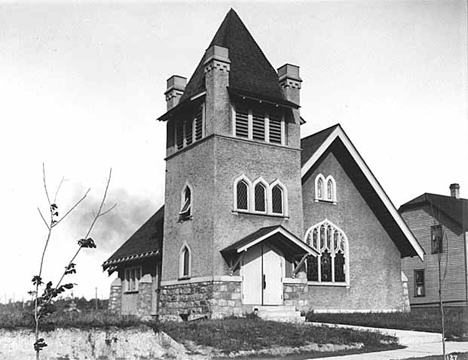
191 129
325 188
260 198
437 239
331 265
419 288
186 204
132 278
259 125
184 262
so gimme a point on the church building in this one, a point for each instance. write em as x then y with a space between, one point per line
256 218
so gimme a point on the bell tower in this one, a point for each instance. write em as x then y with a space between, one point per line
233 173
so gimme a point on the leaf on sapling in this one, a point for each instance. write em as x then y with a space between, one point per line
37 280
87 243
39 344
53 207
70 269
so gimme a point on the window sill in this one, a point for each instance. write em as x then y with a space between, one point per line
187 218
131 292
184 278
318 283
333 202
244 212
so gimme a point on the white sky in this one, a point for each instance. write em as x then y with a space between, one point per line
82 84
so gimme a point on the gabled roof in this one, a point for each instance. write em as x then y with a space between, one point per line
145 242
335 140
278 235
251 74
441 205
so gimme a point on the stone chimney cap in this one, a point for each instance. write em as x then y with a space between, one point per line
176 82
216 52
455 190
289 71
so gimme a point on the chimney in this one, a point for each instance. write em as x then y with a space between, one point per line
290 82
175 88
455 190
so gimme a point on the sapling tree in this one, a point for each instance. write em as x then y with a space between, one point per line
44 293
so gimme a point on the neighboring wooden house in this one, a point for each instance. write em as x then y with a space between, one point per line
440 223
255 217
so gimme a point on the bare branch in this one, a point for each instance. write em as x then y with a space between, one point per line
72 208
100 206
96 217
108 210
45 183
45 222
58 189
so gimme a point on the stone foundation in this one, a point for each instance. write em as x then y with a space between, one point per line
295 294
115 298
213 299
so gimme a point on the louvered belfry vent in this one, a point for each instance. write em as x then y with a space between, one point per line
199 124
242 123
275 129
258 126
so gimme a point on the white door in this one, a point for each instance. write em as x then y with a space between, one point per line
252 276
262 273
272 273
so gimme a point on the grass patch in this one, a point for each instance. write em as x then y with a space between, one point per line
233 335
421 319
23 319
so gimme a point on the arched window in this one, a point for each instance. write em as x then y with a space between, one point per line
260 197
184 262
319 187
325 189
332 264
186 203
242 189
277 199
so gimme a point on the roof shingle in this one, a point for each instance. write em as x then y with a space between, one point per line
146 241
250 70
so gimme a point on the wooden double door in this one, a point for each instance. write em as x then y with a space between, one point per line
262 272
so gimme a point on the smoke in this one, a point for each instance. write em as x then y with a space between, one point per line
114 228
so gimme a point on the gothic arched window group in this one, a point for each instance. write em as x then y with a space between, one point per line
332 263
260 197
325 188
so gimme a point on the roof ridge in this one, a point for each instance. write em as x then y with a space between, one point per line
321 131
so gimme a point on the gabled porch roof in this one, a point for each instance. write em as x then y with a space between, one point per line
278 236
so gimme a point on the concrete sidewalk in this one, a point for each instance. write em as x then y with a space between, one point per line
418 344
412 351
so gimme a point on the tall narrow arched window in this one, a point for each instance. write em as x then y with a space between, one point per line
277 199
184 262
319 187
332 264
186 204
260 197
242 191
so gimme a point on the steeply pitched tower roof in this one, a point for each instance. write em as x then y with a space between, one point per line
250 73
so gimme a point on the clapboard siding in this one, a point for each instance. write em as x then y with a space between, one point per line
453 260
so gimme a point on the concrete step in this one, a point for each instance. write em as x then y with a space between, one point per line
279 313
